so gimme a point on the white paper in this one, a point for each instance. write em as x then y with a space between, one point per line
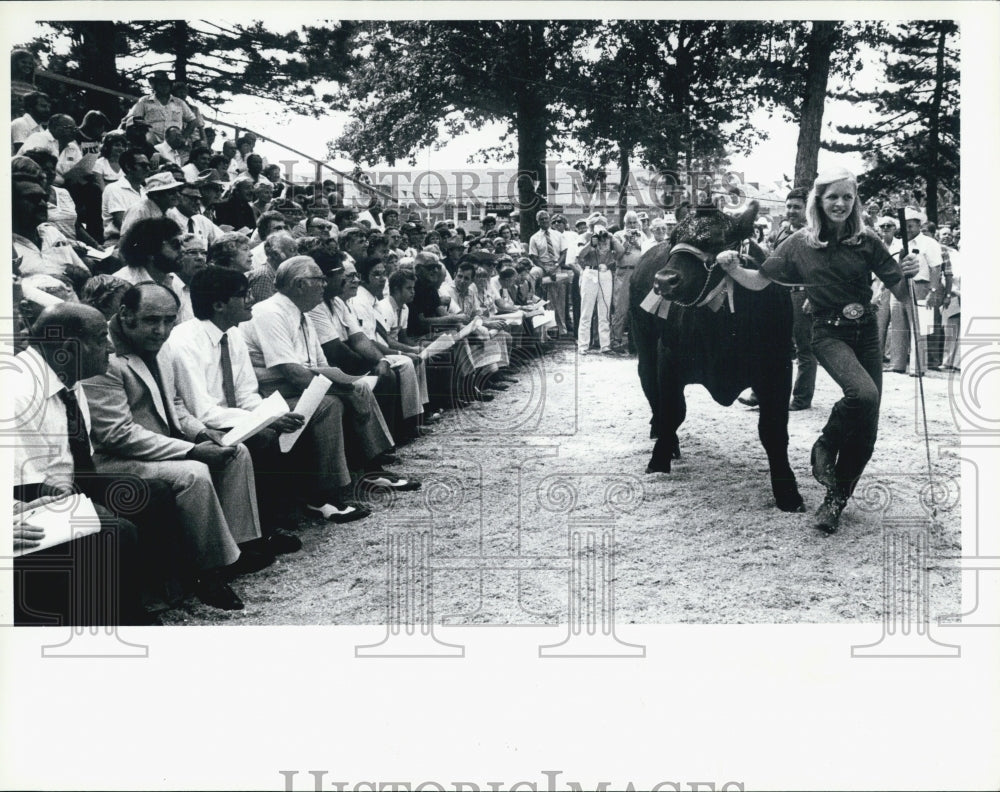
262 416
39 297
94 253
486 355
511 318
475 324
63 520
306 406
546 319
442 343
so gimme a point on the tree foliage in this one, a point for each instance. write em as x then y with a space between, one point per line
415 76
218 61
916 140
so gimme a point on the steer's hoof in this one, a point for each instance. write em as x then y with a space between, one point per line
789 499
656 466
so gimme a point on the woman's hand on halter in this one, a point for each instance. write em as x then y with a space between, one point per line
729 260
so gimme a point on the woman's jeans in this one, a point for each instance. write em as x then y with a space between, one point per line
852 355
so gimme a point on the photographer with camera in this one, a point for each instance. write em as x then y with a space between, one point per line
598 260
634 243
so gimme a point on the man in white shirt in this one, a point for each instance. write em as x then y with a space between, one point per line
37 109
187 214
173 148
286 356
547 250
161 194
123 194
161 110
927 286
41 246
411 377
634 243
152 251
214 379
60 139
47 408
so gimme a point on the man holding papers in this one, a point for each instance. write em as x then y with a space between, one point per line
287 357
215 383
137 428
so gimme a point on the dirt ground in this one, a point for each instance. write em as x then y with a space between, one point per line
527 499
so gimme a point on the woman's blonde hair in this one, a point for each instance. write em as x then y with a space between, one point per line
854 225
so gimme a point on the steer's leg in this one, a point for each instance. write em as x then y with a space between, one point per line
645 333
772 428
671 411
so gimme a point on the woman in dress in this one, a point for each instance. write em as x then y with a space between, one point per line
834 258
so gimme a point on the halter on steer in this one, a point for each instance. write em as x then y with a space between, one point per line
709 263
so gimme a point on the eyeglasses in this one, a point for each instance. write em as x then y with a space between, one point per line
887 225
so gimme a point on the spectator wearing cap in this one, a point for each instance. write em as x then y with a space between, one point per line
634 244
162 190
41 247
120 196
211 189
761 231
236 211
646 224
886 227
37 109
161 110
597 260
91 131
927 286
187 214
151 249
60 139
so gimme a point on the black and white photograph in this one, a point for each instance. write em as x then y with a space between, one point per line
464 362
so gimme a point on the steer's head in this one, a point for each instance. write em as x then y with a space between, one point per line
709 231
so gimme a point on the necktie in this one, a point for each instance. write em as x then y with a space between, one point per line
305 340
228 385
76 429
190 225
550 247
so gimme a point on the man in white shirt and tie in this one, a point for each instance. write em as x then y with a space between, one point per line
187 214
214 380
547 250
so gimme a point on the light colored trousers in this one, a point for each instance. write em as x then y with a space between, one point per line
412 381
595 291
218 510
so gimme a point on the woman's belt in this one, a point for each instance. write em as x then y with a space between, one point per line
850 314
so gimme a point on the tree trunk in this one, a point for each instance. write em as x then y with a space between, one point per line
97 62
532 122
818 50
934 131
180 35
623 162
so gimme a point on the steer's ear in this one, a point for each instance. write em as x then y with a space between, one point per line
743 222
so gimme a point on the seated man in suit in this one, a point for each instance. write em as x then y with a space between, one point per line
137 429
286 356
52 458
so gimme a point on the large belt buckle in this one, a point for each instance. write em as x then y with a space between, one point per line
853 311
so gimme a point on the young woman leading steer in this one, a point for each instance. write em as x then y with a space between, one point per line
834 258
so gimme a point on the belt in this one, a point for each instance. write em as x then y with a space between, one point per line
851 314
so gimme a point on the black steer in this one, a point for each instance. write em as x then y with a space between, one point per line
709 344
